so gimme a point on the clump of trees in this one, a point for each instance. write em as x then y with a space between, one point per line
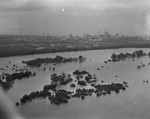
61 79
78 72
58 59
59 96
123 56
8 79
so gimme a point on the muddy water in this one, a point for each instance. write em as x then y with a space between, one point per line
133 103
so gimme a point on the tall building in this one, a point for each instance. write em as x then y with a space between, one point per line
106 35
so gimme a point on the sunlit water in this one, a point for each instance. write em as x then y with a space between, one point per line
133 103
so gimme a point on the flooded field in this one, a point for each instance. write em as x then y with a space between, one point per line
132 103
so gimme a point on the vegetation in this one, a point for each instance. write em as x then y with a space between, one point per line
5 85
78 72
82 83
20 75
59 96
58 59
61 79
72 85
7 80
116 87
122 56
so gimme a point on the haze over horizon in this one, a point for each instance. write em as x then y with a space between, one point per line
63 17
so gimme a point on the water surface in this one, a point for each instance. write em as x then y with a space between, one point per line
133 103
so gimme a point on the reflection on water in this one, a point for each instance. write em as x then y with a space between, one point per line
134 103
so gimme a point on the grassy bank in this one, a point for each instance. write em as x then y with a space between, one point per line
19 51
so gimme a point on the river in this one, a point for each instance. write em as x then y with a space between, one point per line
133 103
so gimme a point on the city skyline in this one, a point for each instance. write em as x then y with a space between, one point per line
63 17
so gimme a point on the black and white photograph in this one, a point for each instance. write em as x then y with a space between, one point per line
74 59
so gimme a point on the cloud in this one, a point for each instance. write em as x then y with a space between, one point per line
28 16
21 6
86 5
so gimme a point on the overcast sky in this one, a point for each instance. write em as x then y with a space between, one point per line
62 17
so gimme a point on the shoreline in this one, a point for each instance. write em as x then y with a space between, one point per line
44 51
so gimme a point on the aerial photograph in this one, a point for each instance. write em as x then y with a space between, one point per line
74 59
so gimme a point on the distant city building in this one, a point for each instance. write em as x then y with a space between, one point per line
70 36
147 37
116 36
106 35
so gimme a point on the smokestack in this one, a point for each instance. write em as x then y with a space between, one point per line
43 33
47 33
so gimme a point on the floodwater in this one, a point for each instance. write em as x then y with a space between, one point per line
133 103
